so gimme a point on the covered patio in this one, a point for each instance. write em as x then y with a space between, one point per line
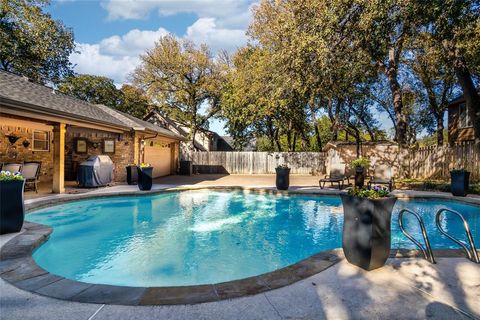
59 131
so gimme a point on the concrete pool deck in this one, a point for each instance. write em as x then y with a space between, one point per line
406 288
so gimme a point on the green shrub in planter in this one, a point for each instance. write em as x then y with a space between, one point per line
361 166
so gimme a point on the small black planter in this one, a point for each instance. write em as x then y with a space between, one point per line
11 206
132 174
282 180
359 177
460 182
366 230
145 178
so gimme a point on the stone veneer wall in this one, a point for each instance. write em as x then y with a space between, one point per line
124 150
23 130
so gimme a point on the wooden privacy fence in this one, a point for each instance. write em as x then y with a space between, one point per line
251 162
436 162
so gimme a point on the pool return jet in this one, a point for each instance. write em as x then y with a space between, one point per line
471 251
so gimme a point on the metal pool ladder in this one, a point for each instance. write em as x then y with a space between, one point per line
472 251
427 252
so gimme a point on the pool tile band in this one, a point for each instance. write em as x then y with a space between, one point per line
19 269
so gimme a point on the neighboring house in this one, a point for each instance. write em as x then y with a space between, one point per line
205 140
62 131
460 125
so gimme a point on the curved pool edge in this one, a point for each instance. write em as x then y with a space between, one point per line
18 268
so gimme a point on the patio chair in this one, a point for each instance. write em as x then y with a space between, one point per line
31 173
11 167
382 174
336 175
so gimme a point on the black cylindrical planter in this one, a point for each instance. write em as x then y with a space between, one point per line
132 174
359 177
460 183
145 178
366 230
282 180
11 206
186 168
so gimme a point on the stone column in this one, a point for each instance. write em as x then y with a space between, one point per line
58 158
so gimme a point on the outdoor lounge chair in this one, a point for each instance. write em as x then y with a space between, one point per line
31 173
336 175
382 174
11 167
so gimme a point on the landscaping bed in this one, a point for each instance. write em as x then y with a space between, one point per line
431 185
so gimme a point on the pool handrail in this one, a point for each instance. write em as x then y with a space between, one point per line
427 252
472 251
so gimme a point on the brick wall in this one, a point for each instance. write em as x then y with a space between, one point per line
17 153
124 150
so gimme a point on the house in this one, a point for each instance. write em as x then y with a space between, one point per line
62 131
460 125
205 140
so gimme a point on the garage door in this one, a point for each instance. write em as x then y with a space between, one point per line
159 156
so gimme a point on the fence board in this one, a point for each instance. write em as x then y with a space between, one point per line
251 162
436 162
424 163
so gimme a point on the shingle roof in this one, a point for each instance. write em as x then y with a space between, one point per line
18 90
139 124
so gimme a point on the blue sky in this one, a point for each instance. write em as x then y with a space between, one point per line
111 34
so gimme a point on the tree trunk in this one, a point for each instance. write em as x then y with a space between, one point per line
439 119
277 141
294 142
401 119
470 94
194 133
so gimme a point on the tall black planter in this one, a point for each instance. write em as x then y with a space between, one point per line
359 177
145 178
282 180
11 206
460 182
366 230
132 174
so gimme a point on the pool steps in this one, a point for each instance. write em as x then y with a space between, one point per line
470 250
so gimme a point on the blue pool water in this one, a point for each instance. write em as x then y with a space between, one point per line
205 236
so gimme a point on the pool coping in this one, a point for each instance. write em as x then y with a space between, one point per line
18 268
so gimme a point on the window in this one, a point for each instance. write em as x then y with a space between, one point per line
464 120
41 141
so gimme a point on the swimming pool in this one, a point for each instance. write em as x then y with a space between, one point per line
208 236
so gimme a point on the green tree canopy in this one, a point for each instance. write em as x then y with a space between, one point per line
93 89
32 44
183 80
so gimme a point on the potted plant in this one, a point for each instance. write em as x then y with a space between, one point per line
282 180
145 171
132 174
11 202
366 226
361 166
460 181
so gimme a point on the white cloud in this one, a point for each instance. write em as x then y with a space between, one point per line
117 56
205 30
90 60
225 10
133 42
